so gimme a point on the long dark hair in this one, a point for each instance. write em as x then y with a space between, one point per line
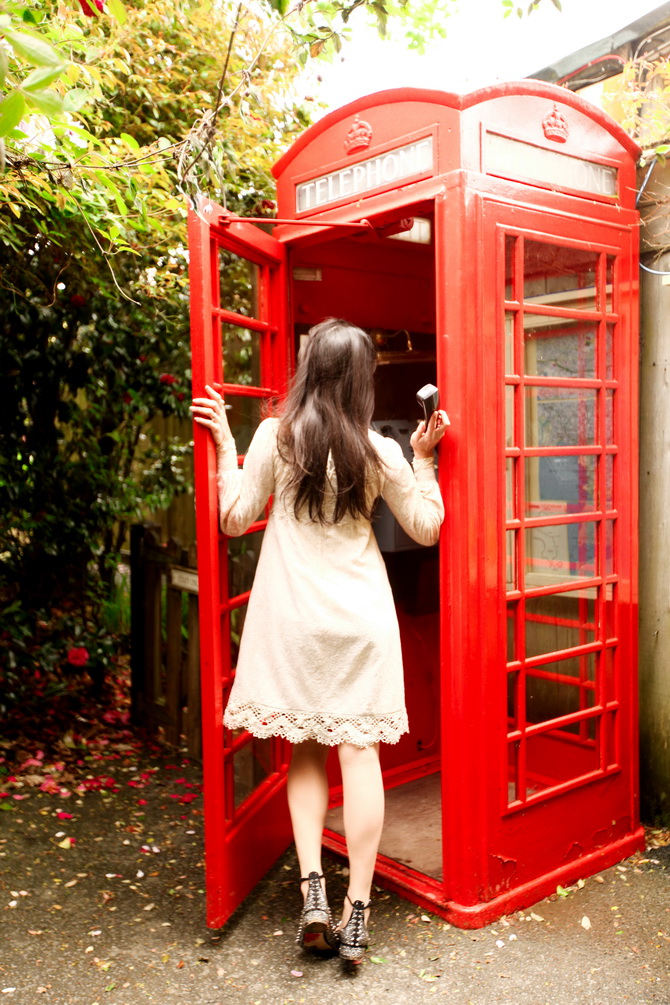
328 412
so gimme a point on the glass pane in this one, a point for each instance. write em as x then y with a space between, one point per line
564 277
560 417
510 538
238 284
610 545
609 481
560 484
513 785
509 343
609 280
609 417
611 745
251 764
243 553
556 692
610 611
512 698
510 487
560 621
237 617
562 553
510 246
241 356
609 352
510 439
559 347
244 417
552 758
511 631
609 658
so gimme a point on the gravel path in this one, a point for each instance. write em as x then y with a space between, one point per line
102 903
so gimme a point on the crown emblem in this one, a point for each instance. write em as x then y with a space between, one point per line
358 137
555 126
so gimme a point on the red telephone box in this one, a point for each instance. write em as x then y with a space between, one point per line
489 243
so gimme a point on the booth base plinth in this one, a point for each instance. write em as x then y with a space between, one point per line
431 895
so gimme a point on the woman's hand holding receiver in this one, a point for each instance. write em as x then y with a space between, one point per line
424 439
211 412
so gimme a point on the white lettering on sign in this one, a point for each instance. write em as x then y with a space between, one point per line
515 159
405 162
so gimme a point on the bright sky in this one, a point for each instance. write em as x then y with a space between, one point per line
481 47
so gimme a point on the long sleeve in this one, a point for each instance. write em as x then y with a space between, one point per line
413 495
244 493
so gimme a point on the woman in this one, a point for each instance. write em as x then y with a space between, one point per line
320 661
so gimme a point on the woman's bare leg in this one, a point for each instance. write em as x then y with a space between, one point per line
308 802
363 817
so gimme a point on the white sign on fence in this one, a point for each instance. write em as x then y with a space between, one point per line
184 579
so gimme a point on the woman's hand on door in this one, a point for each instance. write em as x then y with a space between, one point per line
424 439
211 412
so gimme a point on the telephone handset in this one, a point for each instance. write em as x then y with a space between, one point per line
429 397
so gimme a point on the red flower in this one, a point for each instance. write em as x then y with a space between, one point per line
127 399
88 11
77 300
77 656
181 396
167 378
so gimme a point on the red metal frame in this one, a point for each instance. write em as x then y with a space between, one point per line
573 807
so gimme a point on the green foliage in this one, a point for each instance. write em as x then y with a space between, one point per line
511 7
93 272
58 656
112 116
638 98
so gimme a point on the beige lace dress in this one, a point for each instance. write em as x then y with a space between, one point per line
320 651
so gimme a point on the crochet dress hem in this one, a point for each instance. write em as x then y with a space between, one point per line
330 730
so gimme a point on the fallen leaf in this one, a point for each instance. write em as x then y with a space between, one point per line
585 923
536 917
296 973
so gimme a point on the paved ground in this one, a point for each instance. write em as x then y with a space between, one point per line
106 907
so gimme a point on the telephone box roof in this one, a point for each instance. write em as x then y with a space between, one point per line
461 102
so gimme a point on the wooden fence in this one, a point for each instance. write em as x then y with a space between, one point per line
165 650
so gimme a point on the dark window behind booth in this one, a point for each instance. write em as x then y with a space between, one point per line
487 243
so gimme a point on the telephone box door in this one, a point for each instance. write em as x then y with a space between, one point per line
566 363
238 332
